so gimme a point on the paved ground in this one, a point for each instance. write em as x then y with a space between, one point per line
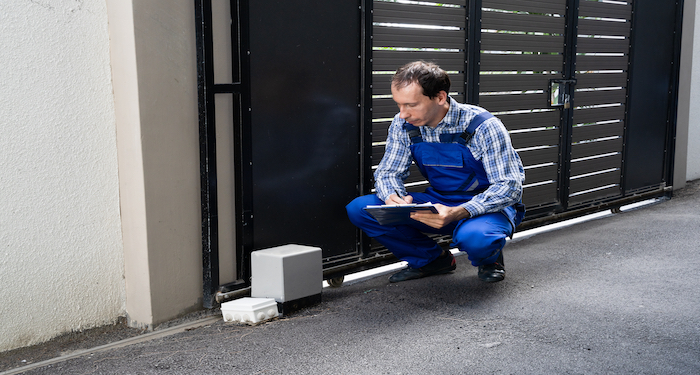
616 295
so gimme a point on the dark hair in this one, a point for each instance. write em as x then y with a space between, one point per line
428 75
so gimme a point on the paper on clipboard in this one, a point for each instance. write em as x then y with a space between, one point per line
398 214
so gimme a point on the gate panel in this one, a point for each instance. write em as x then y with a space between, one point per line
522 48
407 32
305 121
600 99
652 94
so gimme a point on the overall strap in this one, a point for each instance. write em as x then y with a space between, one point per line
413 133
475 122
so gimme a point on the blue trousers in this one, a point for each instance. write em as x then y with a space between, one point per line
481 237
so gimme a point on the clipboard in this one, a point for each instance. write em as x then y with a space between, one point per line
398 214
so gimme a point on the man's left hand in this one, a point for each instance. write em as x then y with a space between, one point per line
444 216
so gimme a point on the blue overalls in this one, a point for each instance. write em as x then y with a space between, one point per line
455 177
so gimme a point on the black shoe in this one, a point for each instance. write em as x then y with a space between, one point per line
443 264
494 272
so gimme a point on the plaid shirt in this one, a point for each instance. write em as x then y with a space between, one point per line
490 144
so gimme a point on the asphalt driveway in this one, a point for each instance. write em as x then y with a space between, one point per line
616 295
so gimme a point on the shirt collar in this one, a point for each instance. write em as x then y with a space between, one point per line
451 118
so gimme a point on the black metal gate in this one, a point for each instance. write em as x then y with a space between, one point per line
556 72
586 89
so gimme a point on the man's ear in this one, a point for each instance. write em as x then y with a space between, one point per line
442 97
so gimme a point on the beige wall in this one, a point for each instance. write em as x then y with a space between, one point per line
691 77
61 256
155 88
687 155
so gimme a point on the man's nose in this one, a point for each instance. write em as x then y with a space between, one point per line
403 113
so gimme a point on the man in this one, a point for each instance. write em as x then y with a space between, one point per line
475 176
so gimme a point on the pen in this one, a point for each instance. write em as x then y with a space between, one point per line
399 194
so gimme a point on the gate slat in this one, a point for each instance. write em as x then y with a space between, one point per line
377 153
421 38
498 103
512 62
540 195
595 63
589 132
384 108
600 27
598 164
520 42
535 138
593 196
390 60
591 115
600 45
534 6
540 156
586 98
530 120
594 80
591 182
541 174
522 22
513 82
583 150
380 131
385 12
588 8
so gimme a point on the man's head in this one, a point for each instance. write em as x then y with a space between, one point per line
420 90
429 76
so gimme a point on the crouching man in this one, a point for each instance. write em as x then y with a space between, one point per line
475 175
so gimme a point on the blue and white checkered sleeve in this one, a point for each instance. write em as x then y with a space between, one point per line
393 168
503 166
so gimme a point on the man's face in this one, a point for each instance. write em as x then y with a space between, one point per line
416 108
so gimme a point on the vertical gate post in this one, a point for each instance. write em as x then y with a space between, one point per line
472 50
365 153
673 131
242 139
207 147
567 112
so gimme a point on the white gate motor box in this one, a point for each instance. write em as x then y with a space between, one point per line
291 274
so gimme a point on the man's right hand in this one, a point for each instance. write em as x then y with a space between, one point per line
395 199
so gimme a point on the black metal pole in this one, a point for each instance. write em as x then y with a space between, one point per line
567 112
244 149
366 178
472 52
673 98
207 152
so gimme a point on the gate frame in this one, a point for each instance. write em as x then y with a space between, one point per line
206 88
240 89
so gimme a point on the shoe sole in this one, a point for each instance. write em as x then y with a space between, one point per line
440 272
492 279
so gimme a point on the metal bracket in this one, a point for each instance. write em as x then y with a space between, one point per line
559 92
